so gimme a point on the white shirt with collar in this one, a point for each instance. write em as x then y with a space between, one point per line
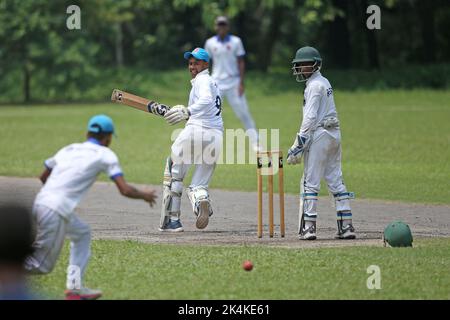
205 103
318 103
74 169
224 54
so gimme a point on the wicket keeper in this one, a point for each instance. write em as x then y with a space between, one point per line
319 141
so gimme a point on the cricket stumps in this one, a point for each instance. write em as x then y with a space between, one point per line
273 156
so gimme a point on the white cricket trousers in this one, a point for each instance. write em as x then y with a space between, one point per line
323 161
240 107
51 230
198 146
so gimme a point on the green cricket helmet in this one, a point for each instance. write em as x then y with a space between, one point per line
308 55
398 234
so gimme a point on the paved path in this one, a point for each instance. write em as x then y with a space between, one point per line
234 221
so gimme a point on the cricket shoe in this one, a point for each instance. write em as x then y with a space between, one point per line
172 226
347 232
203 211
308 233
82 294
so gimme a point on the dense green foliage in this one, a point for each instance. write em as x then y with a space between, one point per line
131 270
40 59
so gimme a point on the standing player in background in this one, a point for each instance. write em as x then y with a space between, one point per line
199 143
319 140
228 67
67 177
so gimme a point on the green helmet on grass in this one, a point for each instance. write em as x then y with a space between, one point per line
306 57
398 234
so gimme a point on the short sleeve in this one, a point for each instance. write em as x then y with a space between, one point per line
240 51
112 166
50 163
207 48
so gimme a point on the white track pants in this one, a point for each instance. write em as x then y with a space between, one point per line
51 230
240 107
323 160
196 146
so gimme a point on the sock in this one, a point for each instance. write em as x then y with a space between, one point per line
346 222
73 277
309 224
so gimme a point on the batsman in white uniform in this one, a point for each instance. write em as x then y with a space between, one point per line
228 66
67 177
198 144
319 141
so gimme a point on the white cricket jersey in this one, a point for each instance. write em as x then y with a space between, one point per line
224 54
318 102
74 169
205 104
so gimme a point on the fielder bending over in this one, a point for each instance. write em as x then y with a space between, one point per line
67 177
199 143
319 141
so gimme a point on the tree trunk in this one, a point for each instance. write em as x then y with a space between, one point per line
119 45
240 26
372 49
269 39
371 40
339 37
26 83
426 11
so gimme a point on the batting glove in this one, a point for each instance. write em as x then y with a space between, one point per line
295 153
177 114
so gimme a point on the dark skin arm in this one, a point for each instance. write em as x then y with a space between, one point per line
241 65
124 188
129 191
44 175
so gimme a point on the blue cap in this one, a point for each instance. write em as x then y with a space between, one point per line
197 53
101 124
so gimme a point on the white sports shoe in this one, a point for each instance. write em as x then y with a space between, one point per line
347 232
82 294
203 212
308 233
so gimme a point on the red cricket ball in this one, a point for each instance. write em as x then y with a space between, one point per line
247 265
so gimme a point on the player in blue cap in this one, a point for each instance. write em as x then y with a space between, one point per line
67 177
198 53
199 143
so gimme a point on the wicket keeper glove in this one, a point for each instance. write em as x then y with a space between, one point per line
298 148
177 114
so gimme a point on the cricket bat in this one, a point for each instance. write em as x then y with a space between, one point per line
140 103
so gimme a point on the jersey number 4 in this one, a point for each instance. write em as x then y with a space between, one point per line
218 105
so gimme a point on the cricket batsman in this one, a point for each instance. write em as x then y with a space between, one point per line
67 177
199 144
228 67
319 142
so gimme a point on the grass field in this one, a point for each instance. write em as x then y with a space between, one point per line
395 143
395 147
125 269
